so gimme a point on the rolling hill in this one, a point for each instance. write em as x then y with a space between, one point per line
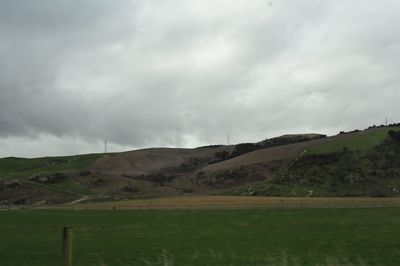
357 163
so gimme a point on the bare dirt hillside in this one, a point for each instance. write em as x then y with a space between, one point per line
156 160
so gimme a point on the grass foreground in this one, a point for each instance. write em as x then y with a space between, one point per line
351 236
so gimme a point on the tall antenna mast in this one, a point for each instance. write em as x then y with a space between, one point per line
386 121
105 146
228 139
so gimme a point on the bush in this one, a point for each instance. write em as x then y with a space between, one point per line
394 135
245 148
50 179
223 155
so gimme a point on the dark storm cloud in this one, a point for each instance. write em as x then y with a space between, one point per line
184 73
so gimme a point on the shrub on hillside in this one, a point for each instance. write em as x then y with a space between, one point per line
394 135
245 148
222 155
51 178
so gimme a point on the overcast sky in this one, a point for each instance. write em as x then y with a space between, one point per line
185 73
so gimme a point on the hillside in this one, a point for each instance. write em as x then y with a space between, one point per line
358 163
366 163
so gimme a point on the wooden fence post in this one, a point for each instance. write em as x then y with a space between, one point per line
67 245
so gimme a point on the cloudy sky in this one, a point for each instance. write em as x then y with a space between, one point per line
185 73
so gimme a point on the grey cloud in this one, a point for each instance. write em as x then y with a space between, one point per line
183 73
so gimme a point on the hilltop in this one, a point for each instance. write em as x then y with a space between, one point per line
358 163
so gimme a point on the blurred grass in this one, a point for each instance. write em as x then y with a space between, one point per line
365 236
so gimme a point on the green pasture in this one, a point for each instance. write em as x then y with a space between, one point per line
13 167
362 141
364 236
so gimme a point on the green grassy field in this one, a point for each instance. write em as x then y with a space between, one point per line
360 142
365 236
13 167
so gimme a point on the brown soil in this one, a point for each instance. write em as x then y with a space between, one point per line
151 161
